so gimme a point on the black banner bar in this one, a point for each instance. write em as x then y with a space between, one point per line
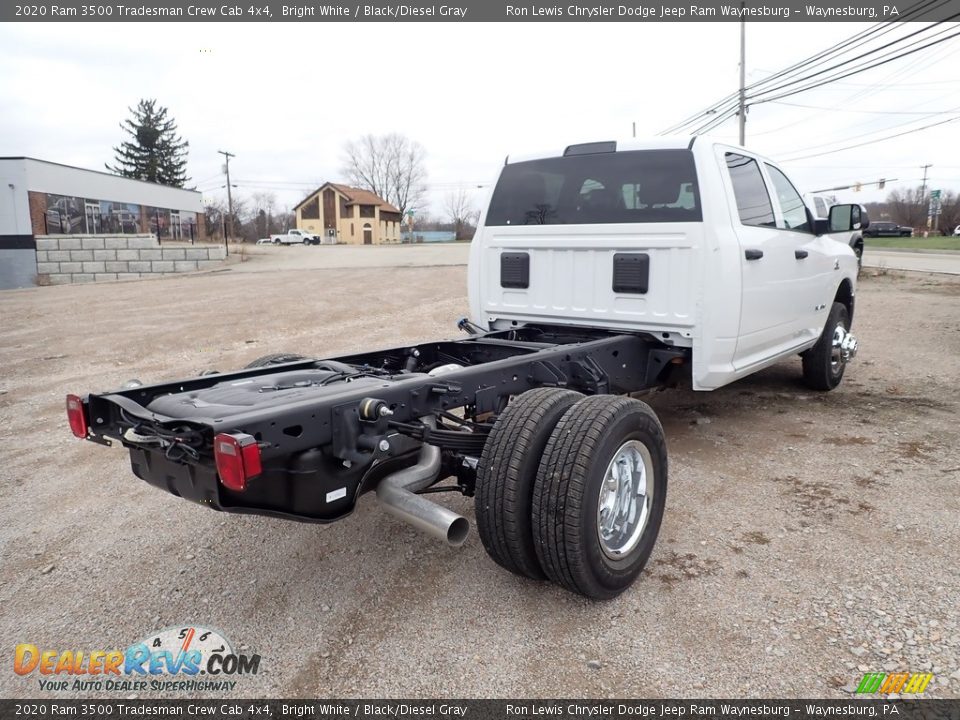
480 11
919 709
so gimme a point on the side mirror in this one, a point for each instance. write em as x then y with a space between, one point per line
844 218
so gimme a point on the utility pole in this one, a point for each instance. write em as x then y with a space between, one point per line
923 193
743 79
227 156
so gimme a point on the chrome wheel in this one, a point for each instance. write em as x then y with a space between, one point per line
843 348
836 354
626 497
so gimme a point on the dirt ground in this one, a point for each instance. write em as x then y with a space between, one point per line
808 538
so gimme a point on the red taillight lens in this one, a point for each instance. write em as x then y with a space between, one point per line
238 459
76 416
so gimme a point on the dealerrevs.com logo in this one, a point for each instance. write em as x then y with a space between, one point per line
188 658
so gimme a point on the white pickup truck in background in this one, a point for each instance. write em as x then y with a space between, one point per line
296 237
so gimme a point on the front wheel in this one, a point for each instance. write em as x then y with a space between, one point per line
599 496
825 362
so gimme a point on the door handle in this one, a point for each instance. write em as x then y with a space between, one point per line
800 254
753 254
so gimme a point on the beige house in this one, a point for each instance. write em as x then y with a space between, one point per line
344 214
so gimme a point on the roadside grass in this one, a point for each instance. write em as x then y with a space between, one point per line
938 242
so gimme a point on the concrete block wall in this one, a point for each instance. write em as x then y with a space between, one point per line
63 259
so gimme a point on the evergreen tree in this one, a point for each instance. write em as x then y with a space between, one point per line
154 152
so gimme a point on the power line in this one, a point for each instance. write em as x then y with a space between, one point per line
871 142
954 111
858 40
858 70
869 112
721 107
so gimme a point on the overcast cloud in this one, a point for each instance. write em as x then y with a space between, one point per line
284 97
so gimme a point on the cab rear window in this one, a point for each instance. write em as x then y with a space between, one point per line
640 186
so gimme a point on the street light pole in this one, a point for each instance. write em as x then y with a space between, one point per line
923 194
743 80
228 233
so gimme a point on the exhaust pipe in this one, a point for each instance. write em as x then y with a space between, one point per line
397 493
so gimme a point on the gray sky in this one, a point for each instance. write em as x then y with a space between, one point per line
470 93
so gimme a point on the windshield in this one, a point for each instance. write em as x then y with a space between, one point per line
641 186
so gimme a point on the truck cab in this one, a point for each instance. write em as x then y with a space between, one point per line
697 243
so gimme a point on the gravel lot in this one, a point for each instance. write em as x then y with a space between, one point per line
808 538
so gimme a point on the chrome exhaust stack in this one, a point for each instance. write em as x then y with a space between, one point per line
397 494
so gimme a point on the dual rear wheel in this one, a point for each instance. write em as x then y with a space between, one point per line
572 489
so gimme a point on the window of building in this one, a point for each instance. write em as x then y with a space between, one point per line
121 218
158 220
65 215
753 202
368 211
351 229
311 209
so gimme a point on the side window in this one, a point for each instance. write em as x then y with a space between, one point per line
791 204
821 207
753 202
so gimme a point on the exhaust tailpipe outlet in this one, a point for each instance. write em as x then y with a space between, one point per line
397 494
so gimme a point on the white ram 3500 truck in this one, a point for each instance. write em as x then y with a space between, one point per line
597 271
704 245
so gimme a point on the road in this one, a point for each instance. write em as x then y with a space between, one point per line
916 261
297 257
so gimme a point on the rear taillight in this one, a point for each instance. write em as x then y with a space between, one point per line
238 459
76 416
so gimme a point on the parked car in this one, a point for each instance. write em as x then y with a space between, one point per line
883 228
265 241
296 237
956 231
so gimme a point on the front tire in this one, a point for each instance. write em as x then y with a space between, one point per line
599 497
506 475
823 364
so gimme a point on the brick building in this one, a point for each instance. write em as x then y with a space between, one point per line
41 198
344 214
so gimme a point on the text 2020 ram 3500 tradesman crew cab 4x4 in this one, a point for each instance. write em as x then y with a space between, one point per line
597 270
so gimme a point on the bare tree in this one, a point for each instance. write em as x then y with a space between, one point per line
949 212
392 166
458 206
264 206
908 207
218 221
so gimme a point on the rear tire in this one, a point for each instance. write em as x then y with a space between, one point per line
506 475
275 359
605 461
822 367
